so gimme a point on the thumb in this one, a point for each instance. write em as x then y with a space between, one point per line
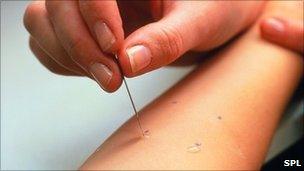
197 25
157 44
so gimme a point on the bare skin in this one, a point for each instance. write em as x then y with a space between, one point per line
231 105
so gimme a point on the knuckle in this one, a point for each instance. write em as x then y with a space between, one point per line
75 46
78 49
171 42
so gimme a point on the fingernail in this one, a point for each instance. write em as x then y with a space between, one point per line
101 74
276 24
139 57
105 37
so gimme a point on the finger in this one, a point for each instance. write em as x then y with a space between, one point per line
286 33
47 61
183 27
104 22
77 41
37 23
159 43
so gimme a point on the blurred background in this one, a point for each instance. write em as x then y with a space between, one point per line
55 122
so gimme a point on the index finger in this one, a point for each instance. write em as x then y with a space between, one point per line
104 22
79 44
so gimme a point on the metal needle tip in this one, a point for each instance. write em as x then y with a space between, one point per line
136 113
130 97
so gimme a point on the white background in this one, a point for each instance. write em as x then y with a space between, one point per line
55 122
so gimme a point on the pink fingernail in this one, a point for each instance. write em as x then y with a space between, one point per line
276 24
105 37
101 74
139 57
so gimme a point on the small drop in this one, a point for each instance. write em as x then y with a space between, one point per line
196 147
147 133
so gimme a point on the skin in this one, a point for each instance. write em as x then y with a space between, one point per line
231 105
64 32
290 33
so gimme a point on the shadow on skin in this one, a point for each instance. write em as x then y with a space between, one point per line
189 58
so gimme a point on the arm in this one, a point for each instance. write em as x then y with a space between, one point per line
230 104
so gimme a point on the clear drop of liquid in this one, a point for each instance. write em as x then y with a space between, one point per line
147 133
196 147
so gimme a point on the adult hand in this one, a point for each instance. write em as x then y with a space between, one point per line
77 37
287 33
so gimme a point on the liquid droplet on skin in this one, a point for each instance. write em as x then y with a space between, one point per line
194 148
147 133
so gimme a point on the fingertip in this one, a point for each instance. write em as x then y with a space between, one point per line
272 27
263 28
283 32
107 76
116 81
114 84
124 63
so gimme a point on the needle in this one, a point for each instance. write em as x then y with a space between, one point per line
136 113
132 102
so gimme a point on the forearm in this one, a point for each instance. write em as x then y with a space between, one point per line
231 105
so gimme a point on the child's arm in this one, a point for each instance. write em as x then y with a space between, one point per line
231 105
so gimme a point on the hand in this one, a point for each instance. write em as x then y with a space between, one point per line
287 33
78 37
